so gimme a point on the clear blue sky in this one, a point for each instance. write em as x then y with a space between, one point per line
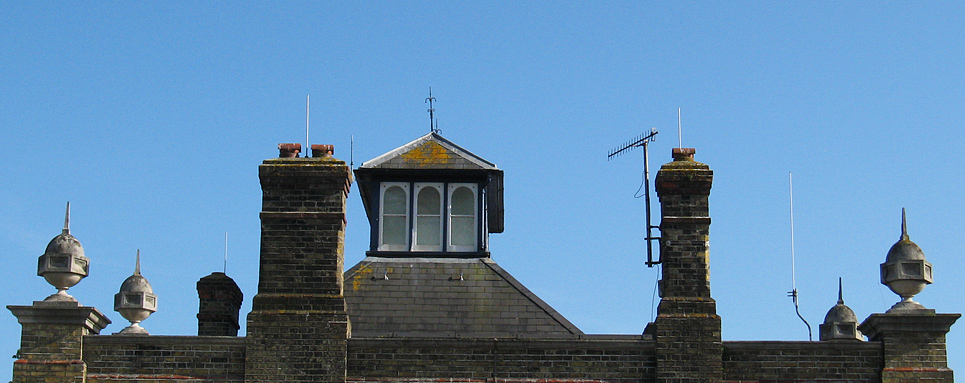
152 118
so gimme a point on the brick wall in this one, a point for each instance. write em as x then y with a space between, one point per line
49 352
154 358
51 341
592 358
913 344
790 362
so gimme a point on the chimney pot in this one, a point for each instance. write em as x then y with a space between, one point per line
683 154
289 150
323 150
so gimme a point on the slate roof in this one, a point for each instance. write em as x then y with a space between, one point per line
445 297
430 151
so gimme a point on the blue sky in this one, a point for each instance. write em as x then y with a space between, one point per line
152 118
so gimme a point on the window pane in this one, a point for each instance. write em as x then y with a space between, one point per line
429 202
429 231
462 219
463 231
394 201
393 230
463 202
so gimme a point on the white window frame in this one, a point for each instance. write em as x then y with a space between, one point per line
384 186
441 214
474 188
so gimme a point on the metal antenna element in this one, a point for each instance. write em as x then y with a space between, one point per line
680 136
431 110
642 140
351 151
225 267
67 219
308 146
793 293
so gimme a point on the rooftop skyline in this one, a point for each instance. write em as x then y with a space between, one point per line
151 119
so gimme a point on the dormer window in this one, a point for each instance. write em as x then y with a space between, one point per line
433 218
431 198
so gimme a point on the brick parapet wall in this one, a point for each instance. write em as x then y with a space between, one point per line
588 358
791 362
51 341
914 345
119 358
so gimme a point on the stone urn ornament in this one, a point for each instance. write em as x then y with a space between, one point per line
135 301
63 263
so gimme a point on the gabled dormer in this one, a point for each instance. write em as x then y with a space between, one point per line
431 198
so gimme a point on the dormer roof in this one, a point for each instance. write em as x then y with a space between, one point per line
430 151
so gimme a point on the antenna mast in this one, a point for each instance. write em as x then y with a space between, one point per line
642 140
225 269
793 293
308 146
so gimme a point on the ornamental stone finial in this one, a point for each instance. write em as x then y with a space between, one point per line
135 301
905 271
840 323
63 263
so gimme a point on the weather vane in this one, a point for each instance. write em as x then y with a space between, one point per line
432 125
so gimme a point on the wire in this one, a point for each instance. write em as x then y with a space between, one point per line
643 179
653 298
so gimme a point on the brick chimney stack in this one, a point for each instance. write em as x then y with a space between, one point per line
298 326
687 328
219 302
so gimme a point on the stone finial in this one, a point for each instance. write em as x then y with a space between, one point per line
135 301
905 271
63 263
840 323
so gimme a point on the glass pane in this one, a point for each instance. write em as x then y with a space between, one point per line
429 201
394 201
429 231
463 231
393 230
463 202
